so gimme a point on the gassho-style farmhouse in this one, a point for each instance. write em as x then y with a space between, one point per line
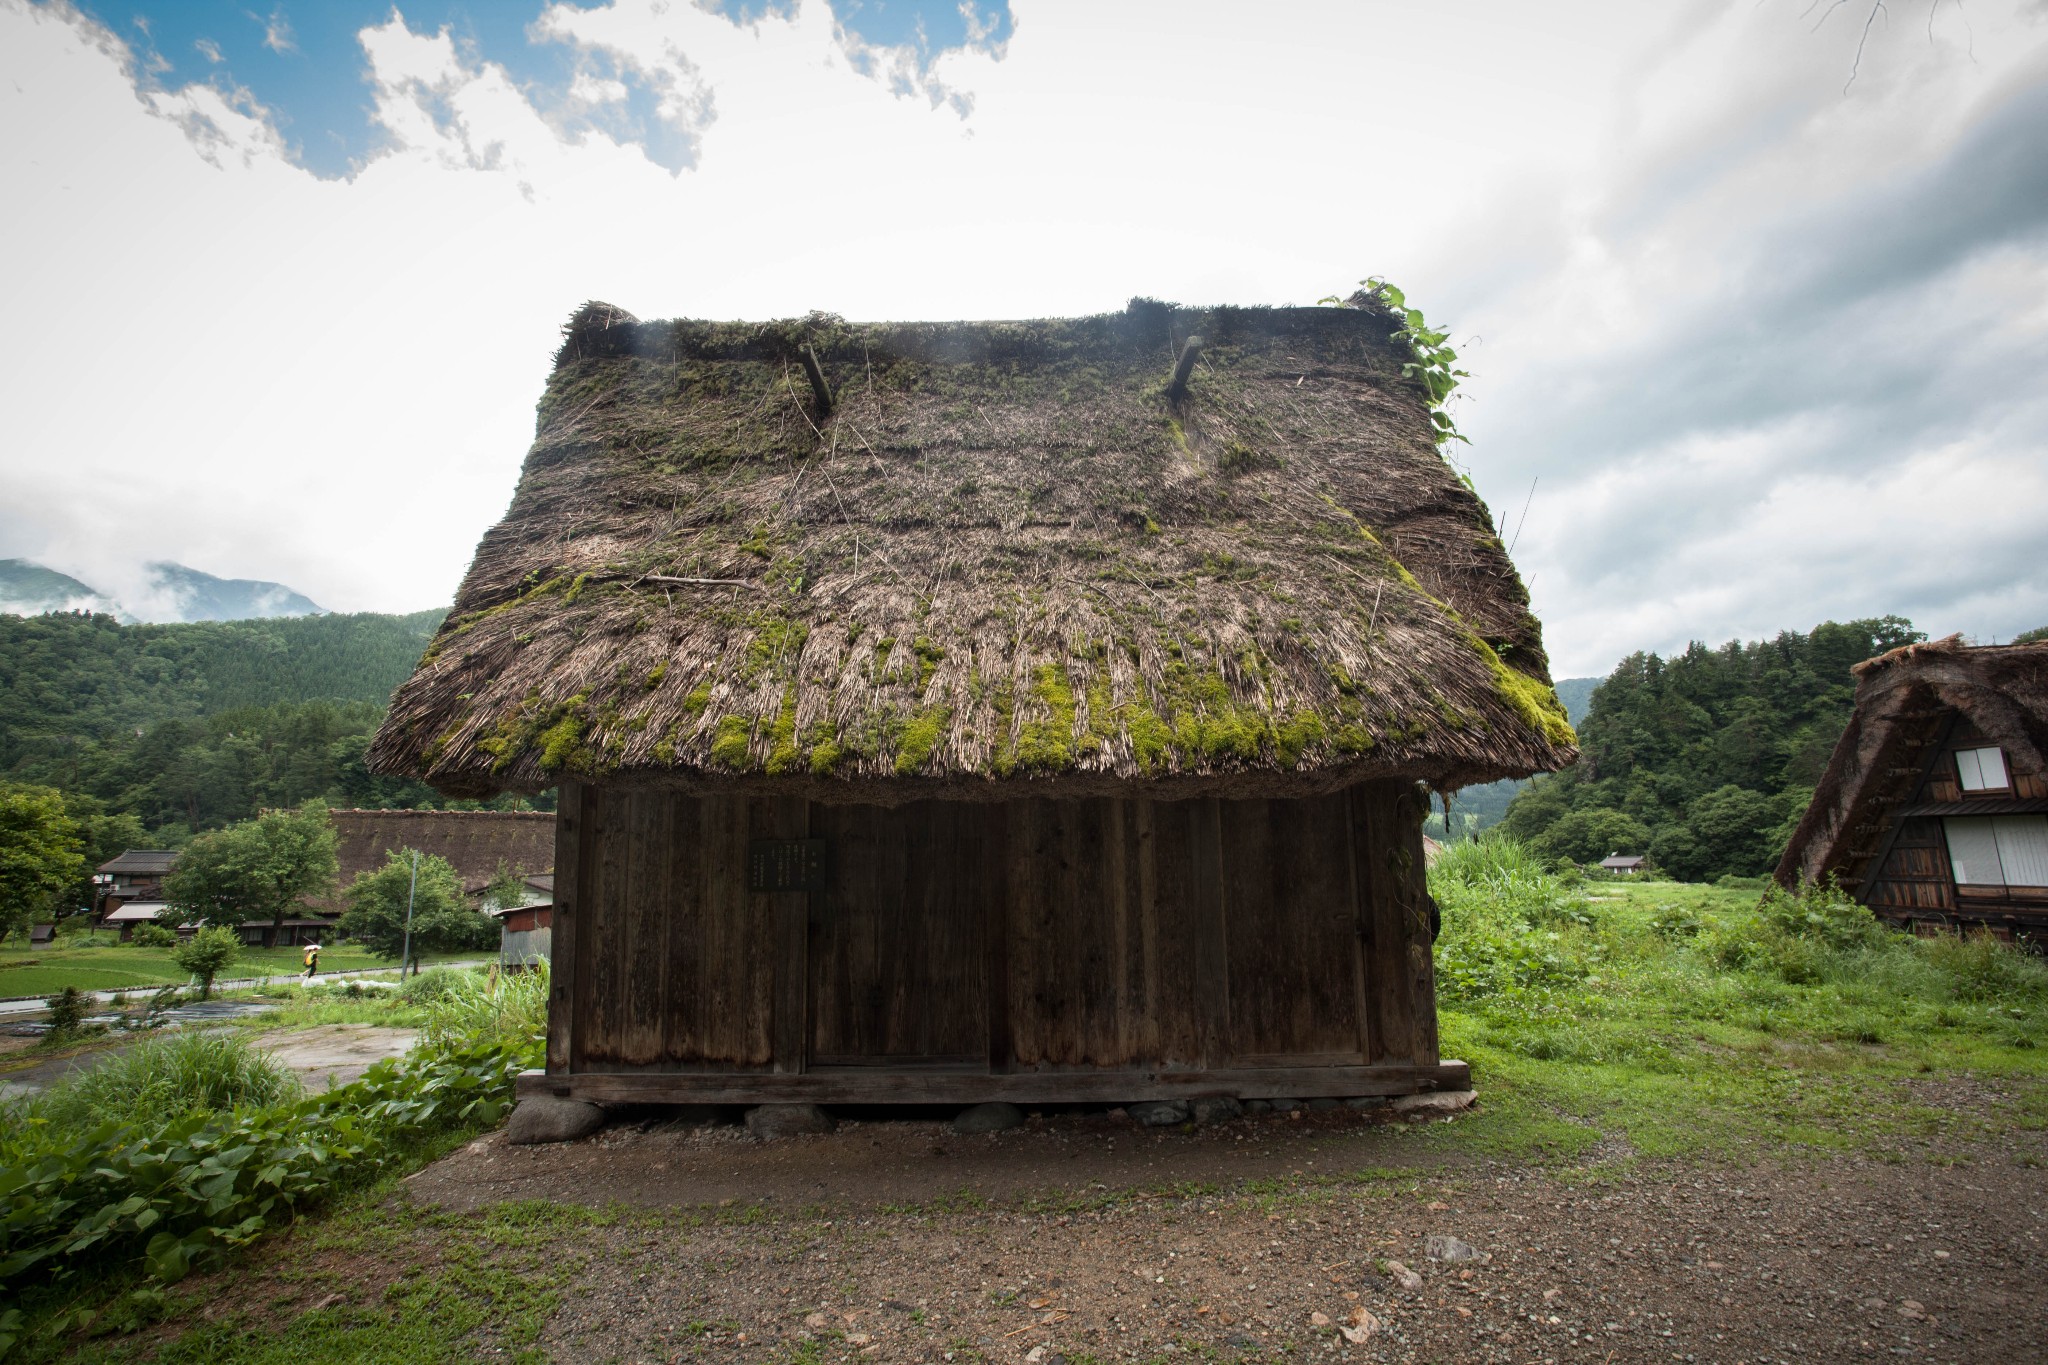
1031 711
1933 810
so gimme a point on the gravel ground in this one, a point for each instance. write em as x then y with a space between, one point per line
1085 1238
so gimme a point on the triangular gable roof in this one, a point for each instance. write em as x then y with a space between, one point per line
873 562
1903 699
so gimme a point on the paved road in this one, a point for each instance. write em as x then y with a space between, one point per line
33 1005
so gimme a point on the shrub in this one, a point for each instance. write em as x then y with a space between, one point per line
150 934
433 984
163 1079
206 954
67 1010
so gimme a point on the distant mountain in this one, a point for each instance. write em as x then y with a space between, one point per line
30 589
174 594
1577 696
196 596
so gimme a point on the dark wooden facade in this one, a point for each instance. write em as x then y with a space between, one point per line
1043 950
1911 879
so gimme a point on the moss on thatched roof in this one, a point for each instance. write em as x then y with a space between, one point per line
885 561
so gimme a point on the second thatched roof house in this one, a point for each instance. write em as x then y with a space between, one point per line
1933 810
1031 711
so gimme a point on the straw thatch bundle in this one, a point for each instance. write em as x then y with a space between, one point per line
881 562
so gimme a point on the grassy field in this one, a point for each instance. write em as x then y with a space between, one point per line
1611 1021
113 966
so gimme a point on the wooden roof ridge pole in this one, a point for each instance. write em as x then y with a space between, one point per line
816 374
1185 366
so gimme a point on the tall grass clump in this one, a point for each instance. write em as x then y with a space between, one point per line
477 1007
163 1079
1510 925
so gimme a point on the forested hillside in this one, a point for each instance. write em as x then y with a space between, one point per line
188 727
1705 760
68 678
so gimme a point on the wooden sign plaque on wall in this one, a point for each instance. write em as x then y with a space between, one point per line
775 865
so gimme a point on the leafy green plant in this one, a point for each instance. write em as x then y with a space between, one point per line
158 1080
1433 361
177 1196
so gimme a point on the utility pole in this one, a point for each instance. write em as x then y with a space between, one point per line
405 955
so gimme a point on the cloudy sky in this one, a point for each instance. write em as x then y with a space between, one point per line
1755 293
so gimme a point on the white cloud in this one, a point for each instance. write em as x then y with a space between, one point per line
216 358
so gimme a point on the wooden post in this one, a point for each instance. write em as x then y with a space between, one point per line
816 374
1184 367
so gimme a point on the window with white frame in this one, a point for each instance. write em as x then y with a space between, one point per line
1998 850
1982 770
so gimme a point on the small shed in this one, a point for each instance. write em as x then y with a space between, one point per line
1933 810
526 926
1626 864
1032 711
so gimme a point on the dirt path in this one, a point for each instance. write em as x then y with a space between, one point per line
1261 1239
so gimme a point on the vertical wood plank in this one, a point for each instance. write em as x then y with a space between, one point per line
995 929
1377 851
604 962
639 902
1210 922
1413 808
567 920
791 912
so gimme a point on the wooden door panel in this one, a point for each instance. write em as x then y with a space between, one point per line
1292 931
897 963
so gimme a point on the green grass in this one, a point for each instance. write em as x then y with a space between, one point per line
1609 1020
160 1079
123 966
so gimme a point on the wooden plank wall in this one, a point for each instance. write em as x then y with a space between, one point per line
1018 936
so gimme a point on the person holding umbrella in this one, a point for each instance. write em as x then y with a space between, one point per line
312 960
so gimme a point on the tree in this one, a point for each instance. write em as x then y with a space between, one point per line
40 857
257 870
206 954
1587 836
442 920
2031 637
1734 828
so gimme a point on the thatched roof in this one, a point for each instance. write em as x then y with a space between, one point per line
475 842
1903 700
886 561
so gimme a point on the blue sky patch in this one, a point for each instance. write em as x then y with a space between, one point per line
300 60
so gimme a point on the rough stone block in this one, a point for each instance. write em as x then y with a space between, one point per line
788 1120
1436 1103
551 1118
1210 1109
1158 1113
993 1117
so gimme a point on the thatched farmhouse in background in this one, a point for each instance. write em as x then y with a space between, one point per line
1036 711
1934 808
